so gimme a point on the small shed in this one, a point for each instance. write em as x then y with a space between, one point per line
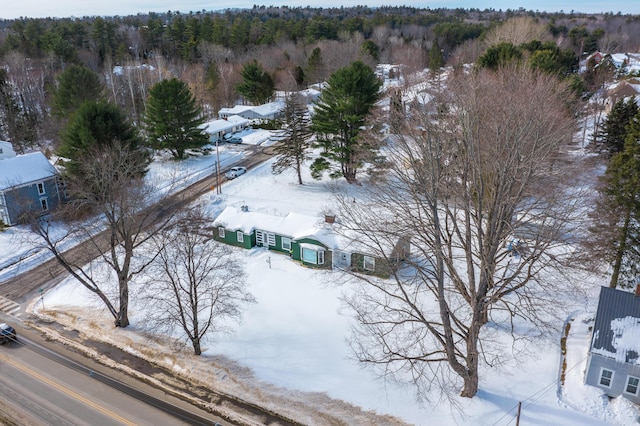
28 183
614 354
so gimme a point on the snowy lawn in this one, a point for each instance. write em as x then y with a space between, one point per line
294 341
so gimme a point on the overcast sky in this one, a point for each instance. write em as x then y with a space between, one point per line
64 8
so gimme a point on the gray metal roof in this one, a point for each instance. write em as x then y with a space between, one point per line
616 326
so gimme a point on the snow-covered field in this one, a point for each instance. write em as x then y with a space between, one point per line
292 344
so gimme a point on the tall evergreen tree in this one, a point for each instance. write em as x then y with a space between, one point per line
614 131
315 71
98 125
257 85
173 119
76 85
622 206
339 115
292 150
436 60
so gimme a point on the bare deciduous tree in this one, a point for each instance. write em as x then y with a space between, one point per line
518 30
197 283
474 182
110 211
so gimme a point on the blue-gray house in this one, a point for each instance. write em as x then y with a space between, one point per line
614 355
28 183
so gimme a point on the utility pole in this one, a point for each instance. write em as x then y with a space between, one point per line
218 188
518 417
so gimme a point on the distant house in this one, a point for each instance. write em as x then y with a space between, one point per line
622 90
27 183
306 239
218 128
614 355
268 111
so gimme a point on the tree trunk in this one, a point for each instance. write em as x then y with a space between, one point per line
471 375
470 384
122 320
196 347
620 251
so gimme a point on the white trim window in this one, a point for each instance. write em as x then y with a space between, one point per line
221 232
312 254
44 204
271 239
368 263
631 388
240 236
286 243
606 377
41 190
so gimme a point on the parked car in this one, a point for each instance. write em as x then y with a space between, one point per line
234 140
7 333
234 172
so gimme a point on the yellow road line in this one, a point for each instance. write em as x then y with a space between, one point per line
69 392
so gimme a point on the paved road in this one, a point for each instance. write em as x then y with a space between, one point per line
39 389
26 285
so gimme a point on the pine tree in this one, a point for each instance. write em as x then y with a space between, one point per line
339 115
97 126
292 150
257 85
173 118
623 193
436 60
76 85
315 71
614 131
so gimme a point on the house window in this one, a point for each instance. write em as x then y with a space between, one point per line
221 232
632 385
310 255
369 263
271 240
240 236
40 188
606 377
286 243
44 204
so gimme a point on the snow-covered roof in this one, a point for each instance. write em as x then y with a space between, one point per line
24 169
293 225
222 125
616 332
236 110
268 109
119 70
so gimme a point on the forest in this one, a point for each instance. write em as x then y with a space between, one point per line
295 46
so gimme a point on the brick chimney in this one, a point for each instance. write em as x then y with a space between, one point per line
638 289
